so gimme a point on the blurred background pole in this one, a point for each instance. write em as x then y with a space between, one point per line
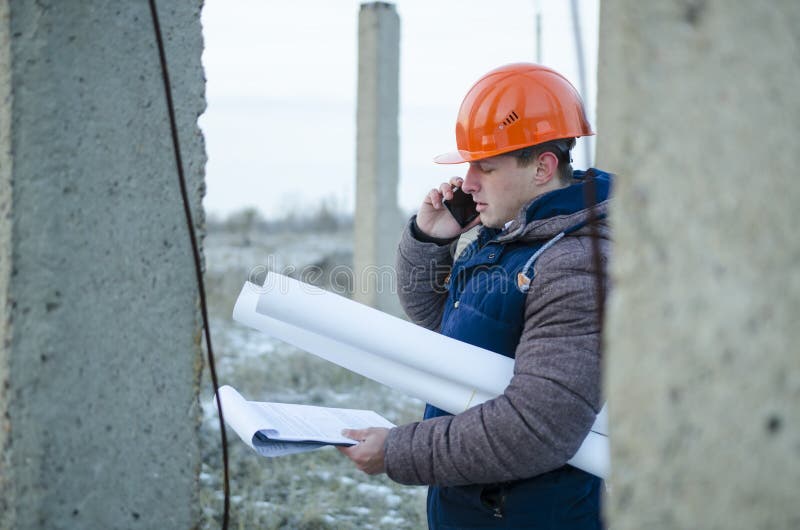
582 84
377 217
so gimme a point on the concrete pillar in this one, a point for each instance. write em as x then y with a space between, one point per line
377 218
698 112
100 356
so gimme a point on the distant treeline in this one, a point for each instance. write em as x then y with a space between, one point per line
321 218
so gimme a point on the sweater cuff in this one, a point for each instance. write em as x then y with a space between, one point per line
414 252
421 236
399 464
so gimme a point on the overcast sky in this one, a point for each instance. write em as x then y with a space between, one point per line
281 90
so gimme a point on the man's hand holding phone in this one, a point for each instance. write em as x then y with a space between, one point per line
436 220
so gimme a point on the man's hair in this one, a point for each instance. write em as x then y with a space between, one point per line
561 148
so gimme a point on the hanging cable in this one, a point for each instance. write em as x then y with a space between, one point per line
195 253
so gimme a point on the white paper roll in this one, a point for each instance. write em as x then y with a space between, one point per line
388 337
444 393
445 372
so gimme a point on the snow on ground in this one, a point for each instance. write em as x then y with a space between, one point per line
317 490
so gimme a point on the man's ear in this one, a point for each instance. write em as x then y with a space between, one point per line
546 168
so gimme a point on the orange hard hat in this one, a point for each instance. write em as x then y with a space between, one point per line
516 106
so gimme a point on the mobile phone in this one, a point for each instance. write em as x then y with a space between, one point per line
461 207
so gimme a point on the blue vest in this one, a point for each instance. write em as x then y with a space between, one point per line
485 308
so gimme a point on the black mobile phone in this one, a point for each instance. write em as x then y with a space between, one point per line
461 207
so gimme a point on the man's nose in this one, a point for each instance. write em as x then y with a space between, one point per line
471 181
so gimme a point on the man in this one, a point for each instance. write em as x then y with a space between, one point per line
529 288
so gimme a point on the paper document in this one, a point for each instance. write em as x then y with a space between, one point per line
445 372
275 429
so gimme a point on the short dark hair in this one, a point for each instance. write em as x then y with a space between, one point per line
561 148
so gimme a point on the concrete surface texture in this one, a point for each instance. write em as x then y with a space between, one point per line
698 112
100 356
377 217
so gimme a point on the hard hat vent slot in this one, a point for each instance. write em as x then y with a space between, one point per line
511 118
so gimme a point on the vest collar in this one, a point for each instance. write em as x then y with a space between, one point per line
546 216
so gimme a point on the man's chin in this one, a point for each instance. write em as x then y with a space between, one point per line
488 222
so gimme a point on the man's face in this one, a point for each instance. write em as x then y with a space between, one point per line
500 187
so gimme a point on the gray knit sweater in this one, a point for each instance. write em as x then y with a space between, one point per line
546 411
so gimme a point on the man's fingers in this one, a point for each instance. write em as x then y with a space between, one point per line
435 198
443 192
368 454
446 189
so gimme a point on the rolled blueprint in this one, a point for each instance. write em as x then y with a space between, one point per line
388 337
454 378
442 392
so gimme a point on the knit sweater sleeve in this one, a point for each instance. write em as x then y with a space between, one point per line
546 411
422 267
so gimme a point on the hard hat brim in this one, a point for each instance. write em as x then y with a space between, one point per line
453 157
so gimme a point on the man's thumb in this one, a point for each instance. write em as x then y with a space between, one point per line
354 434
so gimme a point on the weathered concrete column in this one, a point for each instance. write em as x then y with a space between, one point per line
377 218
100 354
698 113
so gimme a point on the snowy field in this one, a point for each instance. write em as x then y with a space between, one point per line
317 490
